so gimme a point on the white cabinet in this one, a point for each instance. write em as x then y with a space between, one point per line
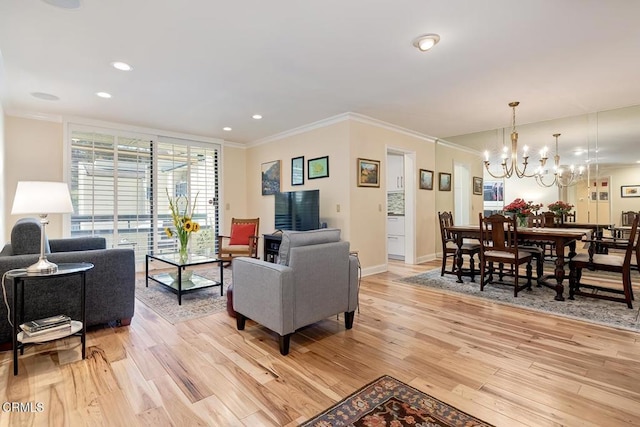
395 172
395 237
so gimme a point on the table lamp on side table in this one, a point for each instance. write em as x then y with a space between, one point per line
42 198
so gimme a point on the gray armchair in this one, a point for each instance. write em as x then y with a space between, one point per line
316 278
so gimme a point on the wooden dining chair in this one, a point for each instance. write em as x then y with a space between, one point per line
499 244
612 262
450 248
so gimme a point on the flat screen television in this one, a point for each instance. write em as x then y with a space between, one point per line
297 210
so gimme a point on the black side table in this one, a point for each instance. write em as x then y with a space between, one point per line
271 247
19 277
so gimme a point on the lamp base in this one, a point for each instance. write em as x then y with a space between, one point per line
42 267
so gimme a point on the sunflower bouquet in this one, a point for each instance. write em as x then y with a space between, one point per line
182 220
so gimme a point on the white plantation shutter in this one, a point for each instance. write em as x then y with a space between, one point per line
119 184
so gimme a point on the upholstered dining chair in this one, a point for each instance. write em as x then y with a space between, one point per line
612 262
243 240
499 244
450 247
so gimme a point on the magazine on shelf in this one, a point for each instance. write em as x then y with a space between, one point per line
46 323
48 330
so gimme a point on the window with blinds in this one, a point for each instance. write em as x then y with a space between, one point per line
120 186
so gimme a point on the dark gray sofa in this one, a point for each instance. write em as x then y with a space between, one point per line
110 284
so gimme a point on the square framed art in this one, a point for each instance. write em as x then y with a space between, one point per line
318 167
368 173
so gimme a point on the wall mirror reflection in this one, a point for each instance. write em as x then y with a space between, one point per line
598 154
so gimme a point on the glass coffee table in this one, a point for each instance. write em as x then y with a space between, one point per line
183 280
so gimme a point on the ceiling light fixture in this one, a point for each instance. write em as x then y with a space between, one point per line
426 41
257 116
227 129
561 177
122 66
513 168
45 96
105 95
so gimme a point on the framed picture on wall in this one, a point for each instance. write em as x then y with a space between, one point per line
477 185
297 170
270 177
426 179
444 179
318 167
368 173
630 191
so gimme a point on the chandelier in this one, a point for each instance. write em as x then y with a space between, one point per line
510 160
561 177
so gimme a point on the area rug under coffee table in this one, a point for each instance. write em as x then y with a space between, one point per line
195 304
390 402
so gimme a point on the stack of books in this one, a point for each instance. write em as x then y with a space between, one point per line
46 325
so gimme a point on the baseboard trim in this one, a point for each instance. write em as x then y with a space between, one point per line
368 271
426 258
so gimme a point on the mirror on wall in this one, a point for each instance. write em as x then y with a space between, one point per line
604 144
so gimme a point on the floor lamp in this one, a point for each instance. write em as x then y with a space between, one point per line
42 198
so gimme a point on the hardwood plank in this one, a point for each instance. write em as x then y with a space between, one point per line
507 365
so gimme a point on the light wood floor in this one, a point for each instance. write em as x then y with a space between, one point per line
505 365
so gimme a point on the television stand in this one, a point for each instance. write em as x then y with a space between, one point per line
271 247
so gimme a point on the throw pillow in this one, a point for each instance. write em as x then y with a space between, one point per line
240 233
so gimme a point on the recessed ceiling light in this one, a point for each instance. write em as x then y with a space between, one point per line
122 66
103 95
64 4
45 96
426 41
226 128
257 116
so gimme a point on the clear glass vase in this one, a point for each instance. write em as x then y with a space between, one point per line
183 250
522 221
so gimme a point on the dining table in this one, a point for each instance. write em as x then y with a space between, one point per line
561 237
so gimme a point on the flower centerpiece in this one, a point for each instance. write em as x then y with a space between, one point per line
560 208
522 209
182 221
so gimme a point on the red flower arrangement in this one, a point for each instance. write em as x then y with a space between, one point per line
560 208
522 208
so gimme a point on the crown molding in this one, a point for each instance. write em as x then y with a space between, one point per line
458 147
56 118
361 118
301 129
390 126
234 145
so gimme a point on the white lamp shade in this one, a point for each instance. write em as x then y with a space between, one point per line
41 197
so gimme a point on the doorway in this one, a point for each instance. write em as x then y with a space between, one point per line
401 189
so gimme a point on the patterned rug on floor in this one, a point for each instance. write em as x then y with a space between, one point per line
609 313
195 304
390 402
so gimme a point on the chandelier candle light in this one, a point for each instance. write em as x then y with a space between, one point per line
560 178
513 168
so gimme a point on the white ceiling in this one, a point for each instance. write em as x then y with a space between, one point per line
205 64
